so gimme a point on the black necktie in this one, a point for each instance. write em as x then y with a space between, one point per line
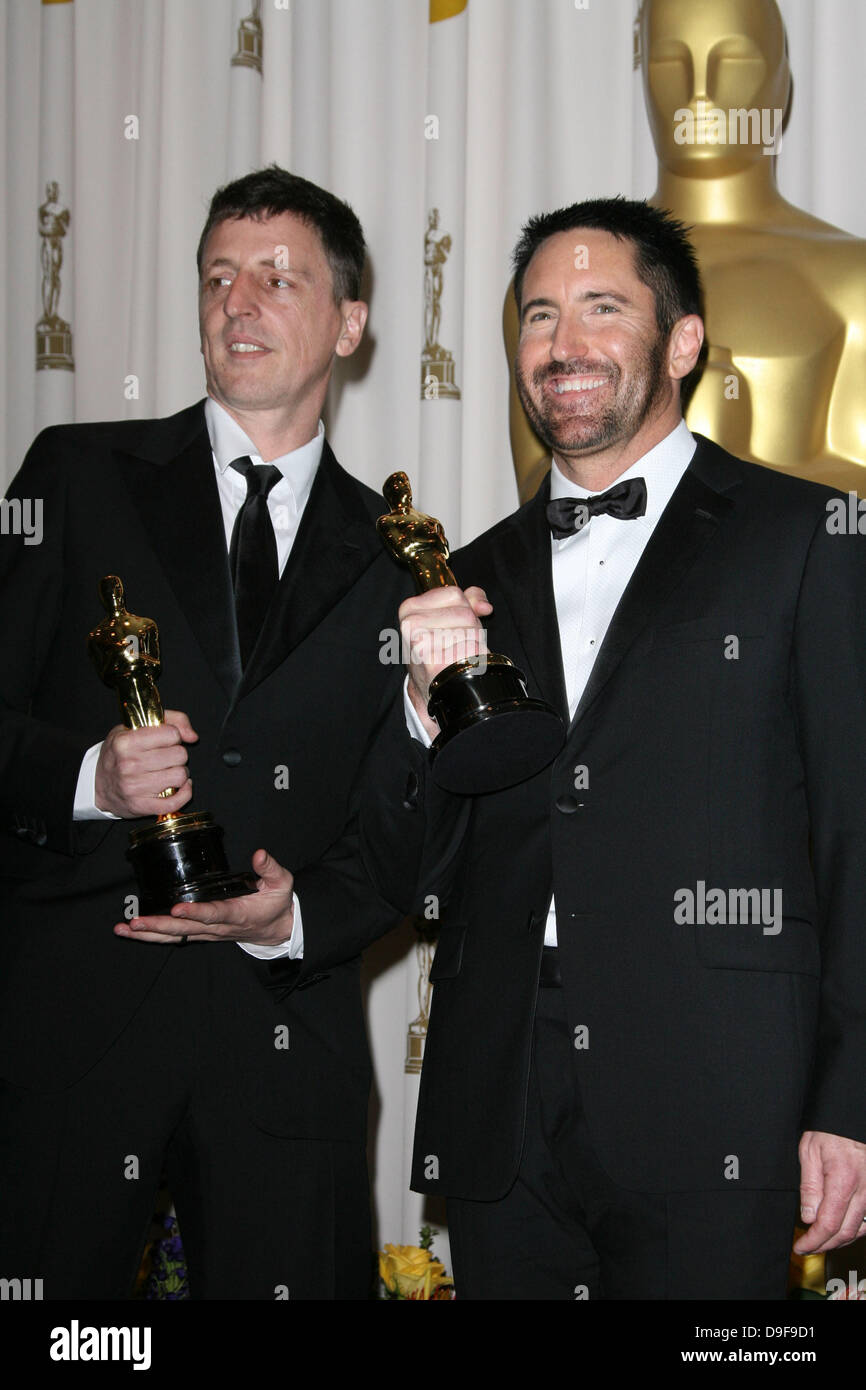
625 501
253 553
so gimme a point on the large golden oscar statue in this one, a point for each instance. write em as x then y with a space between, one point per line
783 383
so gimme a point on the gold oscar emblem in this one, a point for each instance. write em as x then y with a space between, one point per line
785 298
437 363
250 40
491 733
785 292
53 334
180 858
418 1027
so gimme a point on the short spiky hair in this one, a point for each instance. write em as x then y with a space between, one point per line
665 259
272 191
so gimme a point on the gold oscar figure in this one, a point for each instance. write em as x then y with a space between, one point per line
785 292
180 858
492 734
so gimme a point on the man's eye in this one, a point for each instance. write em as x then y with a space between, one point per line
604 309
216 281
277 282
538 315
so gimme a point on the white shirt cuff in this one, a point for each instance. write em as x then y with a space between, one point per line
84 807
413 718
293 949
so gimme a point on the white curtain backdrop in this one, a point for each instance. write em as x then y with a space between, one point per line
135 109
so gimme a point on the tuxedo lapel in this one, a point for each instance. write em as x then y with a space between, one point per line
683 530
336 542
522 563
171 480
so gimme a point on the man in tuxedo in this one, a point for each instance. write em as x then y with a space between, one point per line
648 985
239 1064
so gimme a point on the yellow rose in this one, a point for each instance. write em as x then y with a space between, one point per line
411 1272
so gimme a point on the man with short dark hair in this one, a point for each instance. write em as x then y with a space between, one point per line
238 1065
648 983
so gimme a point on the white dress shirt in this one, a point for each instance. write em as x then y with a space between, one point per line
592 568
286 502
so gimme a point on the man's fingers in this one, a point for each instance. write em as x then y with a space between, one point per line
853 1225
153 736
480 603
832 1191
839 1219
176 719
431 602
820 1235
271 874
811 1180
153 933
206 913
438 646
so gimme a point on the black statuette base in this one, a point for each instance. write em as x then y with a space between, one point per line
492 734
182 860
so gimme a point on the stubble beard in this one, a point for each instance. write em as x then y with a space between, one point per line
587 434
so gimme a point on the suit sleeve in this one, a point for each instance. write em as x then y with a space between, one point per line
402 843
830 702
39 760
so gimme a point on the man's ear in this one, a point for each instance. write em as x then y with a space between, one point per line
684 345
354 315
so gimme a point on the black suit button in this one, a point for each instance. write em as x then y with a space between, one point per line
410 800
231 757
567 804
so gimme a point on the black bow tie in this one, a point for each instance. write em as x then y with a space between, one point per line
625 501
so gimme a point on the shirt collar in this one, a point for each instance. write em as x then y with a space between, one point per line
228 442
661 468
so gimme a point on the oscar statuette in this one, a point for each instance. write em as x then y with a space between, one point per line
180 858
492 734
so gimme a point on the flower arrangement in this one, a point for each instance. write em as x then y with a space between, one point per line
164 1270
412 1271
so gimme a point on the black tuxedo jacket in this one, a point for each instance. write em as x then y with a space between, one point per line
139 499
702 1047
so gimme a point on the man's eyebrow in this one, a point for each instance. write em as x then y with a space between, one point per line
272 264
267 262
537 304
606 294
587 296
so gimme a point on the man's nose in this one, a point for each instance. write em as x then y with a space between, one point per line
241 298
569 340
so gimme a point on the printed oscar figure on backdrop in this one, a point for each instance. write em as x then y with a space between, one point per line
437 363
53 334
180 858
417 1031
785 292
492 734
250 40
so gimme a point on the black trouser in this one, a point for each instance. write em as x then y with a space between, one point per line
566 1231
261 1217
